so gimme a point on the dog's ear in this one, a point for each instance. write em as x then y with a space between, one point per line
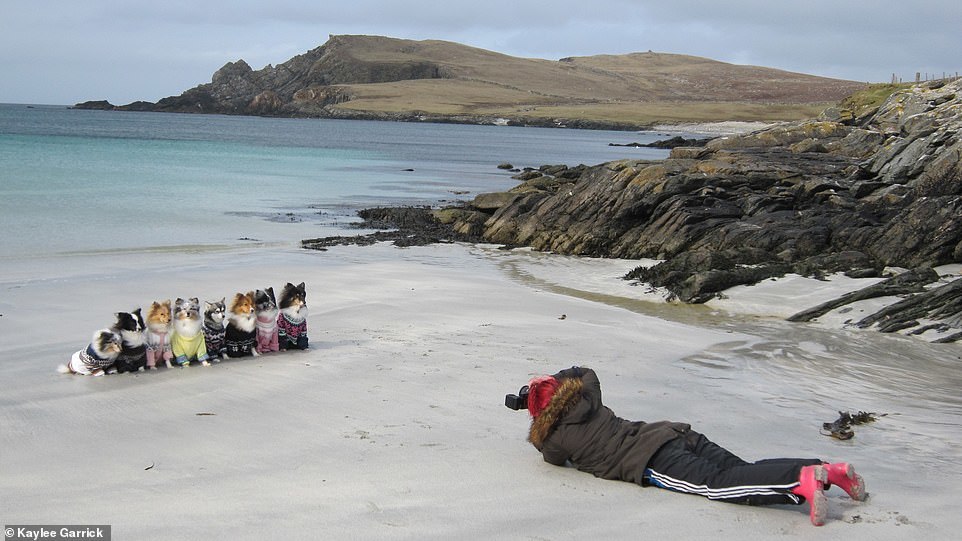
223 300
301 286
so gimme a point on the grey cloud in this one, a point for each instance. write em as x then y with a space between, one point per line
125 50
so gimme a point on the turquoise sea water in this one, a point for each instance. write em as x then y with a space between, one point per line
87 181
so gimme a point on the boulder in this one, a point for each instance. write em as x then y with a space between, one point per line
492 201
266 103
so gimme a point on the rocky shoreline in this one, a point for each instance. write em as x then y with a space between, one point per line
857 192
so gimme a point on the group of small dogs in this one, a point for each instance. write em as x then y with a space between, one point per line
256 323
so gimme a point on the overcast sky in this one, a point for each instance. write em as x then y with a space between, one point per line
68 51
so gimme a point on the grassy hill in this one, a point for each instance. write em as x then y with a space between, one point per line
381 77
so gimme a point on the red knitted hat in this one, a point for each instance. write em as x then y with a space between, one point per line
540 391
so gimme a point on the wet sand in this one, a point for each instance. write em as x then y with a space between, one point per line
392 426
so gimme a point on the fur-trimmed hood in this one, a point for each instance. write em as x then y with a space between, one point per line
564 400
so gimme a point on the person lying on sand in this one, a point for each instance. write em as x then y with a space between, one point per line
569 423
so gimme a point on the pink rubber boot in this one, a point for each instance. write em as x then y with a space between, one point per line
811 483
843 475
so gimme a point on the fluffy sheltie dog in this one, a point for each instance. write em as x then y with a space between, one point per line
265 307
214 314
133 350
292 321
240 337
158 331
187 343
97 357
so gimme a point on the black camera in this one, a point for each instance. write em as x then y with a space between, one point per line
517 401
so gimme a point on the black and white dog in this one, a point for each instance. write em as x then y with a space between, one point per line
133 350
214 329
292 320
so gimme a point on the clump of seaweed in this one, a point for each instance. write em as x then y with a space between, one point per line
841 428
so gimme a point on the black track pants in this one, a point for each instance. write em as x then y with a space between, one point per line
697 466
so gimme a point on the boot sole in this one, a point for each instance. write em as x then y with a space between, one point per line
856 487
818 504
854 484
818 509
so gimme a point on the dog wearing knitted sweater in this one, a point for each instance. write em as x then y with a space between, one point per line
188 342
215 313
292 321
240 338
133 352
265 307
158 334
97 357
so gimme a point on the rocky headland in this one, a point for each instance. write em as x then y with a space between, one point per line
857 190
382 78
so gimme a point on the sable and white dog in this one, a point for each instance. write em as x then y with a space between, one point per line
266 309
158 334
97 357
240 338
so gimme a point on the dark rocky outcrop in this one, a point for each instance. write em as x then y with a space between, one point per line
858 195
303 86
672 142
96 105
943 303
402 226
913 281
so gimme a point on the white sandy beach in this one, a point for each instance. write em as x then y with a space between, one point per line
392 426
714 129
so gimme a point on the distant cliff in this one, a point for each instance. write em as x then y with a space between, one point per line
393 79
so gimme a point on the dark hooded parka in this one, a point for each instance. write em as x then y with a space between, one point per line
575 426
